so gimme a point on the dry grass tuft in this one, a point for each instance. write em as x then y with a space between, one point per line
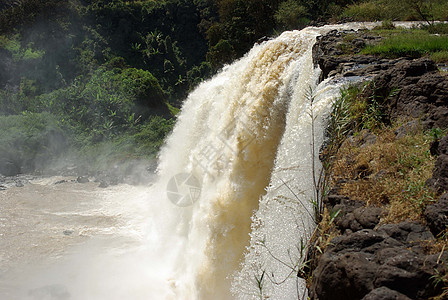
321 238
367 162
390 172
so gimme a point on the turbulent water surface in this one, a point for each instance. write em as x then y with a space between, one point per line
226 216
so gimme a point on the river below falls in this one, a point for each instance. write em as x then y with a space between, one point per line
55 237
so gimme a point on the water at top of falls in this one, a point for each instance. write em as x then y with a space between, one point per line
231 201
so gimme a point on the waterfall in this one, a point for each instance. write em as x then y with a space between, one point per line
233 198
231 210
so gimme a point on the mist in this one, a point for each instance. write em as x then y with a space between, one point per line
96 248
105 224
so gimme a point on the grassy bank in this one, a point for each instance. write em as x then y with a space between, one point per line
390 172
380 162
412 43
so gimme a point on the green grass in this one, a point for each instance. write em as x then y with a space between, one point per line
413 43
440 56
437 28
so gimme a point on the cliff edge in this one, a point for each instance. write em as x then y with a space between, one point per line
384 227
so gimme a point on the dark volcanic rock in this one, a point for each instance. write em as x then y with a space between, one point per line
415 89
443 145
368 217
103 184
406 232
332 60
408 128
440 174
434 148
82 179
437 215
356 241
358 264
360 218
412 88
408 272
371 261
384 293
353 215
349 276
439 180
336 202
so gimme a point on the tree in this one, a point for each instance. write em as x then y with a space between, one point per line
291 15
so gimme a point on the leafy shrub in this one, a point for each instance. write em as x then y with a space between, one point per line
31 140
110 102
292 15
367 11
141 86
143 142
221 53
150 136
198 74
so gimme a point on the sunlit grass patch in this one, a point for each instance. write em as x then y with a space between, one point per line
413 43
440 56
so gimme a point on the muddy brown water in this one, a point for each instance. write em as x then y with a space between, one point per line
44 225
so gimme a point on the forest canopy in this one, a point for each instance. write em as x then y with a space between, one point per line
103 70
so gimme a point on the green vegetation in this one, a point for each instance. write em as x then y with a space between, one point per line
411 43
390 172
107 74
30 139
291 15
406 10
106 71
111 74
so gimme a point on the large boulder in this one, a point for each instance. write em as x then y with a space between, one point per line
439 180
414 88
385 263
385 293
437 215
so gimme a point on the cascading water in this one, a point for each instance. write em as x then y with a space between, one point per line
245 130
233 195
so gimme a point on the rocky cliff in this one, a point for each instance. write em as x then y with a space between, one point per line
382 246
